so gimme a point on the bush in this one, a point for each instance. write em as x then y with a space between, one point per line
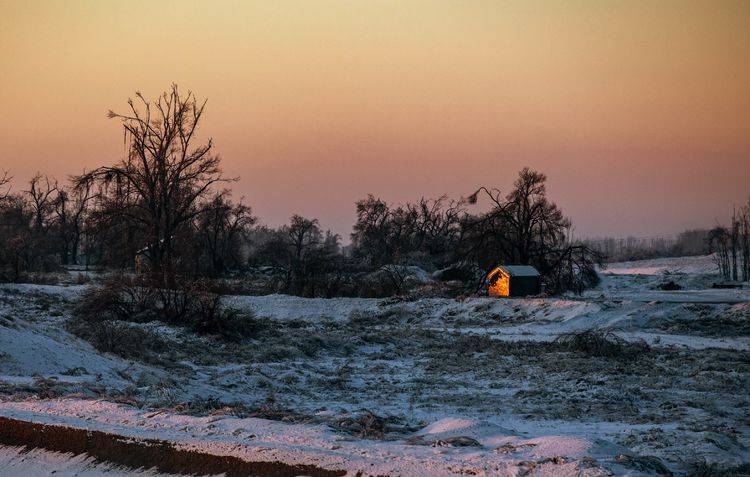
189 304
367 425
602 344
470 343
705 469
117 298
212 317
118 337
669 286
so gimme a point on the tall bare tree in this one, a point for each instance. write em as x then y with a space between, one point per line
164 173
525 227
522 226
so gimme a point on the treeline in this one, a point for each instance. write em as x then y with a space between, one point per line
48 225
167 207
686 243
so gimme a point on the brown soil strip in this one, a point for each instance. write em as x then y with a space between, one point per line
143 453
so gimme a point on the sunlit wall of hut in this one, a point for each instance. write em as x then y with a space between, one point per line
513 281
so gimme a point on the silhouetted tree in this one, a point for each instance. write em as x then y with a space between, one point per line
222 228
732 245
16 245
719 240
423 234
70 207
744 238
164 176
525 228
5 185
41 195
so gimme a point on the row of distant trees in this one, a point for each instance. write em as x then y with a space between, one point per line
622 249
47 225
168 202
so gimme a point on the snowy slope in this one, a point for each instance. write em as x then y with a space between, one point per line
499 452
444 371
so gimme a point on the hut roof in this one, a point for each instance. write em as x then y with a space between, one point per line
520 270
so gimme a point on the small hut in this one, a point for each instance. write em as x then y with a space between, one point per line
513 280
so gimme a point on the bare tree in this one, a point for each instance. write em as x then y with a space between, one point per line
744 225
526 224
735 241
303 236
389 235
373 235
26 222
42 250
221 227
394 277
5 181
110 233
307 261
524 227
165 175
70 207
15 236
719 240
42 199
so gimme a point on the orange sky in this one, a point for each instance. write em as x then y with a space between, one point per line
639 112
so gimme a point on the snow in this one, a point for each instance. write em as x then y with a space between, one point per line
285 308
421 363
33 343
262 440
17 461
705 265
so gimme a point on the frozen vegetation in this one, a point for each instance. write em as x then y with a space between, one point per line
627 379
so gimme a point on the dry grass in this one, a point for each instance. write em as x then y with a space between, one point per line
367 425
704 469
601 344
124 339
191 304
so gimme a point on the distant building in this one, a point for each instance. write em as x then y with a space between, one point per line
142 260
514 280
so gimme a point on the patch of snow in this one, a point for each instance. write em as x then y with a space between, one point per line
705 265
19 461
261 440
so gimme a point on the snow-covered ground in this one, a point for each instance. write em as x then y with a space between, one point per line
424 387
19 461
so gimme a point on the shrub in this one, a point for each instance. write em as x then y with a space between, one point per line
470 343
40 278
601 344
189 304
118 337
367 425
212 317
705 469
669 286
117 298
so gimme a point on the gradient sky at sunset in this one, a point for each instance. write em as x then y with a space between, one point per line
638 111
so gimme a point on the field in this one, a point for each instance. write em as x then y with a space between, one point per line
626 379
